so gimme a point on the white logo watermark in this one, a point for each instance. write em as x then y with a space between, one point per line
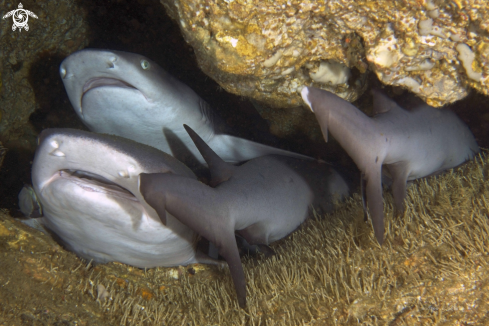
20 17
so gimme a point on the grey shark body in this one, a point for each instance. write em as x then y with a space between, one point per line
408 144
128 95
264 200
87 185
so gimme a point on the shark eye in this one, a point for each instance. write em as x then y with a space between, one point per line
145 64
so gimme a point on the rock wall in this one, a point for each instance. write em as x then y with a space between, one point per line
59 29
268 50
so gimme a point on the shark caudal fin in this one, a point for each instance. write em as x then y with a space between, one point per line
201 208
153 194
357 134
312 96
338 116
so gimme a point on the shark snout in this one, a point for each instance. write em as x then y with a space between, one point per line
62 72
82 65
65 72
79 70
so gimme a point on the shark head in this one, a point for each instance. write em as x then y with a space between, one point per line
128 95
111 90
87 185
120 76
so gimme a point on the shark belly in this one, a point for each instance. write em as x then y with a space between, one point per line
272 195
144 123
441 142
99 224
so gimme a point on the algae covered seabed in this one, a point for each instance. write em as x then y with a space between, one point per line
432 269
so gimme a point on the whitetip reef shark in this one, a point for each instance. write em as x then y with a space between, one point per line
128 95
263 200
408 144
87 186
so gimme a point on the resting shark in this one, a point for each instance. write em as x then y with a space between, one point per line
128 95
408 144
87 186
264 200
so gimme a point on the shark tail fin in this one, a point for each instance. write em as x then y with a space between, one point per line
312 97
152 196
202 209
220 170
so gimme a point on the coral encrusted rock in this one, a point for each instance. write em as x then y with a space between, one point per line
268 50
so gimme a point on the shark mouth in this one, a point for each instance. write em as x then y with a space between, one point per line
91 182
108 82
104 81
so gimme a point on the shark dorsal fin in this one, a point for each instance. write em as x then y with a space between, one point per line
382 103
220 170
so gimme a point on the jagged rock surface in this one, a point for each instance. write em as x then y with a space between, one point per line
268 50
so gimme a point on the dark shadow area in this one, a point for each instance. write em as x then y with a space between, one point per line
15 172
53 108
474 111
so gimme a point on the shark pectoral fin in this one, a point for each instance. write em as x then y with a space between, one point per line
375 201
220 170
202 258
37 223
229 250
266 250
152 195
382 103
213 252
248 249
254 234
363 187
234 149
399 172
